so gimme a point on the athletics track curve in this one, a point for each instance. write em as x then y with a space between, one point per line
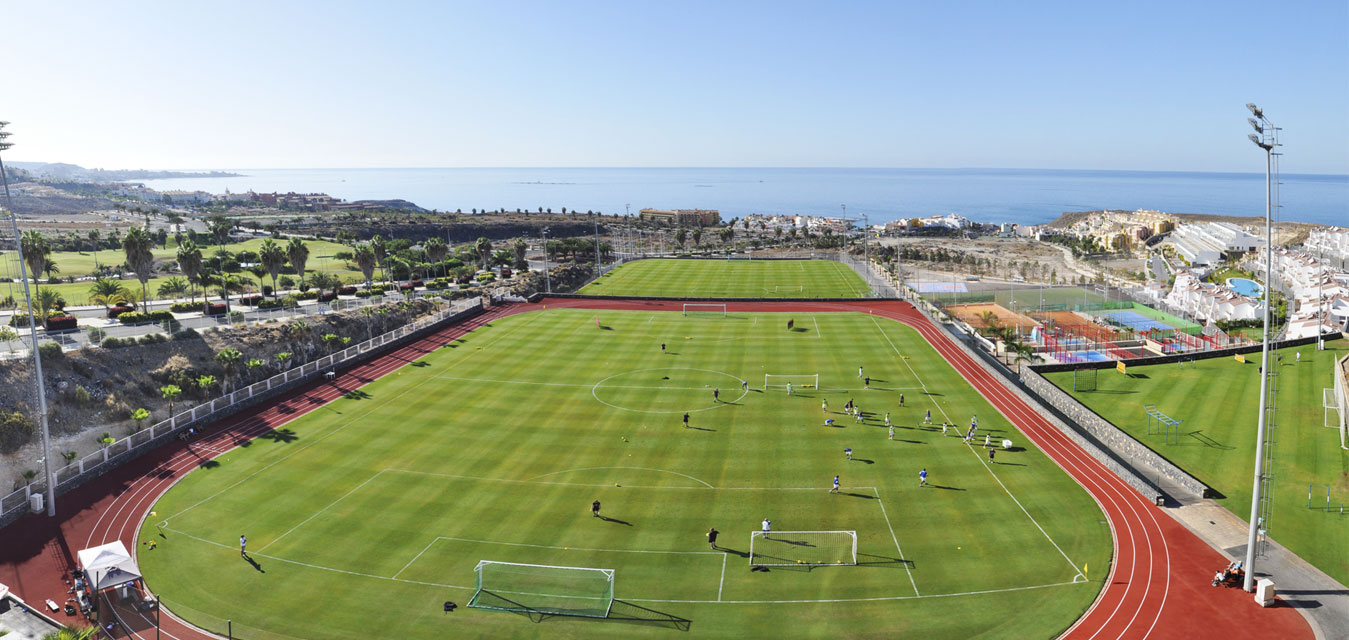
1157 588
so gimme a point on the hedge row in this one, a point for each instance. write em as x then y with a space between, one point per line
138 317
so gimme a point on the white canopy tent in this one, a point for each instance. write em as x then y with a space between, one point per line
108 565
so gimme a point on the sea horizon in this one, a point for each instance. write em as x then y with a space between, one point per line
1023 196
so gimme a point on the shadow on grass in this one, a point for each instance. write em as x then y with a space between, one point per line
608 519
701 429
938 486
356 394
869 560
799 330
858 495
1209 442
618 611
280 435
421 363
208 464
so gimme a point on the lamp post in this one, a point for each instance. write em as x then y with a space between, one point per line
548 282
1265 137
32 333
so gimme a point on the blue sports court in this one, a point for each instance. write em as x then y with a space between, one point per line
1137 321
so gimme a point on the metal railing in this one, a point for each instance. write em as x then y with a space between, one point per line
111 455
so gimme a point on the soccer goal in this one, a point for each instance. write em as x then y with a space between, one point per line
566 591
702 309
800 381
782 288
788 548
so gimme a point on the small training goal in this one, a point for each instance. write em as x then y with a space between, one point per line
782 288
704 309
797 381
565 591
787 548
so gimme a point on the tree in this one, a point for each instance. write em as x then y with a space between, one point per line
380 250
93 239
220 229
436 250
49 267
227 282
189 262
172 287
8 336
298 254
73 633
170 393
46 300
140 415
138 246
520 248
681 236
204 384
283 359
483 247
331 340
107 292
364 257
229 359
697 236
273 259
35 250
28 476
253 365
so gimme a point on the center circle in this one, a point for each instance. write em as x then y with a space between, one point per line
667 390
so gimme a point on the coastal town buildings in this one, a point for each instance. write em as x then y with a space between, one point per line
682 217
1209 301
1212 242
1318 292
1115 230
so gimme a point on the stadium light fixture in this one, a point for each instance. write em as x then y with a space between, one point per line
1259 143
32 333
1257 111
1255 125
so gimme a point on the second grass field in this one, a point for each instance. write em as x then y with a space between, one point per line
688 278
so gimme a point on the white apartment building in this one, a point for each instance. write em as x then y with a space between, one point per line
1319 293
1332 242
1211 242
1208 301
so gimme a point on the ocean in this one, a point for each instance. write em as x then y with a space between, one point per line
1023 196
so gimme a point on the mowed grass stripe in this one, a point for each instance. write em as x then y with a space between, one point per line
731 279
1218 400
413 433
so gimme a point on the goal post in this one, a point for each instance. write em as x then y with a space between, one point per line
784 288
799 381
791 548
566 591
693 308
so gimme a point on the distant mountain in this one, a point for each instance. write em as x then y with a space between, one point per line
65 171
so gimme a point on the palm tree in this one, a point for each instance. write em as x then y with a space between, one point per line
364 257
253 365
73 633
220 228
189 262
367 311
273 259
138 246
49 267
170 393
140 416
299 255
46 300
380 250
483 247
228 282
204 384
229 359
681 235
284 359
436 250
28 476
107 292
520 247
697 236
172 287
93 239
8 336
35 250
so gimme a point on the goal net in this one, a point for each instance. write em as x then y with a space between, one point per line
780 381
782 288
787 548
691 309
567 591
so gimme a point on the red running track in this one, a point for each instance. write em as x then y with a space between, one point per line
1157 588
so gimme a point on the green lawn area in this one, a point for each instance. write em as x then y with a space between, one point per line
731 279
364 516
1219 402
77 263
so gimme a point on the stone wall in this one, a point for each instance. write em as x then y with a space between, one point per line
1108 434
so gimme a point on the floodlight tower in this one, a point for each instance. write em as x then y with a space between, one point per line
32 333
548 282
1266 137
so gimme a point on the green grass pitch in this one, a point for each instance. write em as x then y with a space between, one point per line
1218 400
731 279
364 516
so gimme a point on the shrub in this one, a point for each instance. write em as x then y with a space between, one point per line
138 317
286 282
16 429
251 301
349 290
119 310
377 291
290 302
62 323
364 293
269 304
307 295
328 297
405 287
50 351
18 319
266 289
117 343
213 309
417 283
184 334
151 338
96 335
236 316
185 307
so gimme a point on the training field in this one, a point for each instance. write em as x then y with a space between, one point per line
674 278
1218 400
367 514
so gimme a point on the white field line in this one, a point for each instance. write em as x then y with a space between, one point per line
316 513
545 546
981 458
722 583
626 486
454 586
896 539
817 328
838 269
685 475
416 557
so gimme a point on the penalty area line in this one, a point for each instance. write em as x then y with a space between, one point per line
885 515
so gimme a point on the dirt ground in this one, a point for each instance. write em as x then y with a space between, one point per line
1076 324
973 315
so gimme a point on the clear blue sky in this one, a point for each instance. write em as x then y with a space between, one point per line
1076 85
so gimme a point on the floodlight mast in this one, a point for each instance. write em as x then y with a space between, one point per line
32 333
1266 140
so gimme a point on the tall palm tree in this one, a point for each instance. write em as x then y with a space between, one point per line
46 300
298 254
189 261
520 248
220 228
483 247
364 257
93 239
681 236
229 360
139 246
436 250
72 633
273 259
172 287
35 250
380 250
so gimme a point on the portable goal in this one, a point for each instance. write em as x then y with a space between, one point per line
782 288
798 381
701 309
814 548
565 591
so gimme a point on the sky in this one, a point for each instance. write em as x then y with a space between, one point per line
1072 85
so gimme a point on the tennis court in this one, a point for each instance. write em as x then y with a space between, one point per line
1137 321
1074 324
973 314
